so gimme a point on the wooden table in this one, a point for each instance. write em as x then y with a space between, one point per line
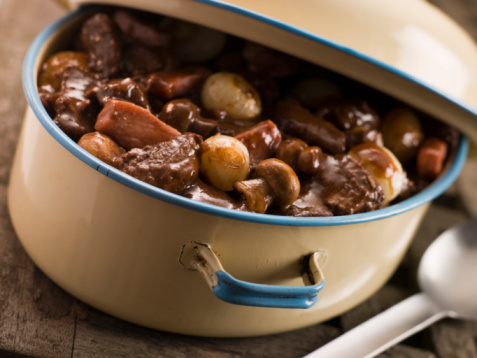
38 319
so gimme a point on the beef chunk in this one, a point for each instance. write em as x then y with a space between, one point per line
261 59
72 117
75 83
140 31
262 141
101 41
140 60
176 83
205 193
71 107
80 84
124 89
346 187
350 113
171 165
309 202
341 187
296 121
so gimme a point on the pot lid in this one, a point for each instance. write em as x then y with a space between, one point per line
407 49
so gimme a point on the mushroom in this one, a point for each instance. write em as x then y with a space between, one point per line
302 158
309 160
101 146
275 183
184 115
289 150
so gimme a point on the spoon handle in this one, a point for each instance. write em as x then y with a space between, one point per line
384 330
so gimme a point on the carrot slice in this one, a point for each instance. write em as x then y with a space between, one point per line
430 158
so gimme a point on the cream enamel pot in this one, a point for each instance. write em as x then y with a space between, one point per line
138 252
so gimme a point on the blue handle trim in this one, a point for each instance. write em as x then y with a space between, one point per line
231 290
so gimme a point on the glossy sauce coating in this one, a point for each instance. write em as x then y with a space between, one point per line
176 105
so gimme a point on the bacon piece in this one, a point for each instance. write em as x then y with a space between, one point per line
176 83
262 141
133 126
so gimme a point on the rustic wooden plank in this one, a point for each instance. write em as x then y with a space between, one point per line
402 351
452 339
36 317
102 336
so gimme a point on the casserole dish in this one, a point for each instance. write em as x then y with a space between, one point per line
133 250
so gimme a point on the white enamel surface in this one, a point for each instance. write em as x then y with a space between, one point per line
428 54
119 250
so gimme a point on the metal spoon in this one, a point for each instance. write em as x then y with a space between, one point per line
447 275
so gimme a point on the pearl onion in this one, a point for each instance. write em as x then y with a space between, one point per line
224 161
231 93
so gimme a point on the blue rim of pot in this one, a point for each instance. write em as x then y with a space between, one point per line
435 189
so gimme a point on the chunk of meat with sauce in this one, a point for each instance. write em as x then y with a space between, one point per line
171 165
263 59
296 121
262 141
176 83
71 106
209 194
140 60
309 202
185 116
140 31
72 118
132 126
101 41
345 187
350 113
123 89
356 118
76 83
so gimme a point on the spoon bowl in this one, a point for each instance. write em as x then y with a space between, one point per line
448 270
446 276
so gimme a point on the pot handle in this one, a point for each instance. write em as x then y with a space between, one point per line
200 257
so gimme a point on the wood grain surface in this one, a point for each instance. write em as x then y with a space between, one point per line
38 319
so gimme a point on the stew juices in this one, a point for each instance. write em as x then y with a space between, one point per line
232 123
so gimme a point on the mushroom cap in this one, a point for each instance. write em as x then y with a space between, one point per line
258 194
282 180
